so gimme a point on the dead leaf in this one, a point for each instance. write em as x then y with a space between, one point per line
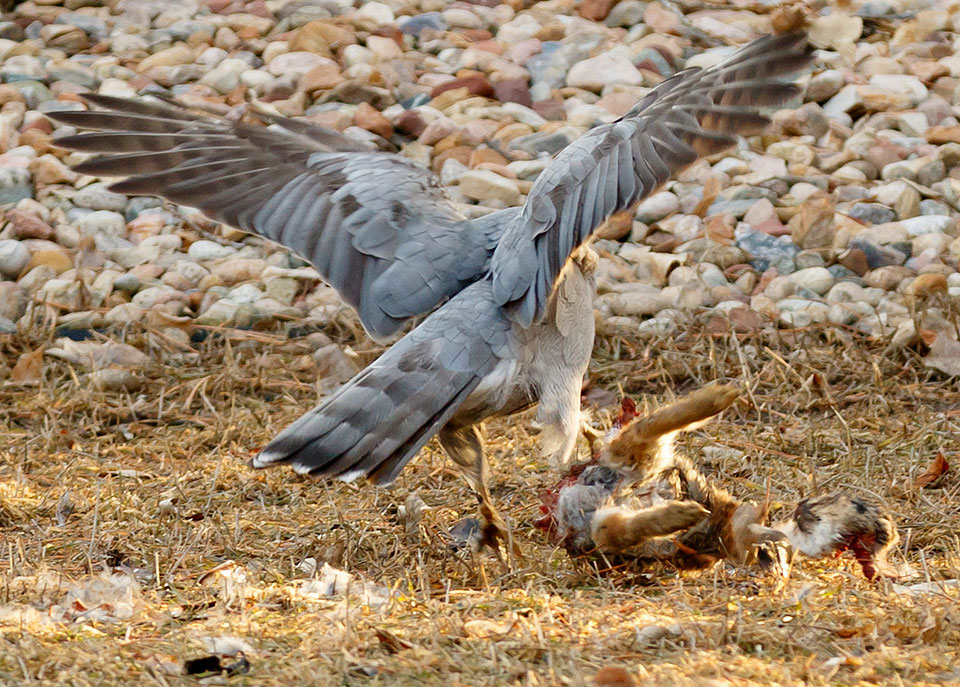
787 19
490 629
937 469
719 229
944 352
97 355
711 189
613 676
29 368
391 642
64 508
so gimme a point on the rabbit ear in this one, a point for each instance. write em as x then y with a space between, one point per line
646 444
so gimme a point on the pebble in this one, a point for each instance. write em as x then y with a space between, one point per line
98 197
481 184
657 207
603 70
102 222
816 279
14 256
846 204
203 250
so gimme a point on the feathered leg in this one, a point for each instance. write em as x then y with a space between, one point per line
464 446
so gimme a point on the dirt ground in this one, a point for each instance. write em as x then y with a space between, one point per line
133 537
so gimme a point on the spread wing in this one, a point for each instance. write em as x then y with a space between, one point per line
610 168
376 226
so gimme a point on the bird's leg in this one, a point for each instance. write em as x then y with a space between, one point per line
464 446
559 411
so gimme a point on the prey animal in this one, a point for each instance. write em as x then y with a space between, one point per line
508 297
638 498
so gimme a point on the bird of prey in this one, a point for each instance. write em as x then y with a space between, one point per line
509 295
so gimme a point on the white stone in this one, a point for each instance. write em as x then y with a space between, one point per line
452 171
925 224
125 313
482 184
373 15
817 279
845 100
245 293
904 84
102 222
208 250
657 206
608 68
913 123
462 18
296 64
835 30
14 256
800 312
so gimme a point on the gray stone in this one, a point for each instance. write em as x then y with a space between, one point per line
33 92
14 256
203 250
766 251
872 213
878 256
932 172
128 283
102 222
14 185
933 207
98 197
801 312
551 142
416 24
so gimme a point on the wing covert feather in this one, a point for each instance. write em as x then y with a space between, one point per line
611 168
353 213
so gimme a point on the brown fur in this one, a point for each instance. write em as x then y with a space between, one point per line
616 529
645 445
638 492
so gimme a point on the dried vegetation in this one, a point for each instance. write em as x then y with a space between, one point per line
134 537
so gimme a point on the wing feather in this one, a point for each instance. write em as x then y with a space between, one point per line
611 168
340 206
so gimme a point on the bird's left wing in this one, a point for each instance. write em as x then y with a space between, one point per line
609 169
377 227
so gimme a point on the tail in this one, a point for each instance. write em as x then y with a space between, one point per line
646 444
375 423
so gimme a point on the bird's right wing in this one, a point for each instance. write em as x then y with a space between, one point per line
377 227
611 168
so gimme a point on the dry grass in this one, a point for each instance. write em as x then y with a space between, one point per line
154 483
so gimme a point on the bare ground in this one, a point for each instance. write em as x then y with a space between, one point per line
153 483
